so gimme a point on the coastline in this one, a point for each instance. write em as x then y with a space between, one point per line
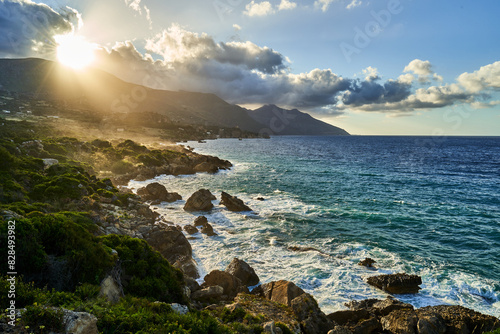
120 213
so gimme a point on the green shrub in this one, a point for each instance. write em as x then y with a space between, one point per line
40 319
6 159
122 167
145 273
284 328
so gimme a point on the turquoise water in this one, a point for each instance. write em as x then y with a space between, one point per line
420 205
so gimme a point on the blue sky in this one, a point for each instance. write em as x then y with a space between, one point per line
423 67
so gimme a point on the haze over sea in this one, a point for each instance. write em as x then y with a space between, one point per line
420 205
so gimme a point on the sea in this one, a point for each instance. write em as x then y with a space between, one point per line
428 206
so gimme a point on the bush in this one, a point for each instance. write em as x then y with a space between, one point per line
122 167
40 319
145 273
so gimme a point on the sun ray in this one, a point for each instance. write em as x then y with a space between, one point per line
74 51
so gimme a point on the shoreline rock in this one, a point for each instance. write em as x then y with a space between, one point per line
200 200
396 283
233 203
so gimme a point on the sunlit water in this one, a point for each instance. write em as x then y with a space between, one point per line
415 205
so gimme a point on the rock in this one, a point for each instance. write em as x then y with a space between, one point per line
282 292
207 294
348 316
188 266
110 289
170 242
339 330
396 283
233 203
400 322
158 193
243 271
50 162
305 249
312 319
208 230
200 221
200 201
179 309
260 199
191 284
379 307
430 322
269 327
368 262
190 229
206 167
459 319
79 322
231 285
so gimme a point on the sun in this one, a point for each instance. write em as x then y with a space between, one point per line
74 51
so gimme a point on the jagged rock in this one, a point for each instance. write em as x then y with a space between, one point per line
49 162
233 203
200 221
348 316
179 309
231 284
191 284
233 307
269 327
243 271
282 292
312 319
110 289
79 322
170 242
158 193
368 262
305 249
201 200
430 322
396 283
190 229
379 307
400 322
459 319
206 167
213 292
188 266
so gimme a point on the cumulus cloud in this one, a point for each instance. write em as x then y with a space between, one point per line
259 8
236 27
323 4
353 4
286 5
136 6
423 70
487 77
28 28
371 73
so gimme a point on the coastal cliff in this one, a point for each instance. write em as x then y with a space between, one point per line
88 248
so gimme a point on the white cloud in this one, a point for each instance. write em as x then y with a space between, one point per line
371 73
323 4
136 6
486 77
423 70
236 27
259 9
286 5
354 3
484 105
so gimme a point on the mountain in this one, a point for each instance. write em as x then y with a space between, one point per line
292 122
103 93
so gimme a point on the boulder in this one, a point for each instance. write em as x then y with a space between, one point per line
377 306
206 167
200 221
282 292
339 330
110 289
79 322
396 283
170 242
208 230
208 294
430 322
368 262
345 317
188 266
158 193
269 327
201 200
233 203
312 319
231 285
243 271
459 319
400 322
179 308
190 229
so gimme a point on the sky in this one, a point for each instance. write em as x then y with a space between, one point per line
379 67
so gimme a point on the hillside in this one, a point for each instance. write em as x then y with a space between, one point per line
292 122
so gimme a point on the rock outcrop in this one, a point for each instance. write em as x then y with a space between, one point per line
312 319
158 193
233 203
206 228
396 283
79 322
243 271
231 284
368 262
282 292
201 200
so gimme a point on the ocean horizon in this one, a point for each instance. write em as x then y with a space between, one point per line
428 206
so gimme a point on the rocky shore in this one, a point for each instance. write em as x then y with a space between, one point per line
91 245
